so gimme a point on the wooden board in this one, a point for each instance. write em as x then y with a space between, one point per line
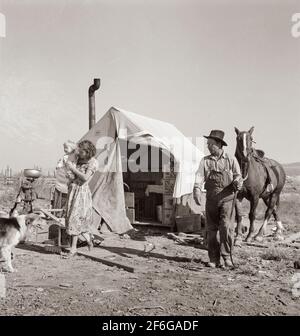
168 217
59 221
167 201
168 186
107 262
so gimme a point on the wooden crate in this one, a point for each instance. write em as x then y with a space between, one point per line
169 175
168 186
168 218
189 223
36 235
167 201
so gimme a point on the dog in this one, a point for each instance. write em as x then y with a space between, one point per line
13 230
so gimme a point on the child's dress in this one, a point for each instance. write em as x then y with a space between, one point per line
79 216
63 177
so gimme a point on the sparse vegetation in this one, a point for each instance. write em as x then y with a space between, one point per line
259 285
276 254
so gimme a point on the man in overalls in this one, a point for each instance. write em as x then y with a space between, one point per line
222 176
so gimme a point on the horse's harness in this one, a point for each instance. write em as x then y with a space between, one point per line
244 162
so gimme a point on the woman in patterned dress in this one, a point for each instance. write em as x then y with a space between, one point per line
79 214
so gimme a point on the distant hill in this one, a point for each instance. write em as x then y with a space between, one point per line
292 169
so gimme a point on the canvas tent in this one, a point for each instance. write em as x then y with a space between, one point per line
107 184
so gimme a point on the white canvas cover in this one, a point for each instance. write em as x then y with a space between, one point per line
107 183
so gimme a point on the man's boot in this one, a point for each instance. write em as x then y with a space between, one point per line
213 264
227 262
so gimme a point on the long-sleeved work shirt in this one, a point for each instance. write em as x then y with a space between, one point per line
223 163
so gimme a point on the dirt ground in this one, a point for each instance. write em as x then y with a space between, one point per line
172 279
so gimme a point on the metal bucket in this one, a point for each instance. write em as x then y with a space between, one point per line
33 173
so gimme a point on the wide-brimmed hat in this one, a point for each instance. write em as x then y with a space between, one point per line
217 135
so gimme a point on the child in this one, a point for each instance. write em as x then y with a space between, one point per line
64 176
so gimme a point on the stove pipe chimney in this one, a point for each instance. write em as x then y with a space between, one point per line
92 89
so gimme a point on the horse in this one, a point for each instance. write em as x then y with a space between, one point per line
263 178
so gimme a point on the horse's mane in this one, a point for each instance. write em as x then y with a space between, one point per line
260 153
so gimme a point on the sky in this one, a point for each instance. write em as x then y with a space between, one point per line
197 64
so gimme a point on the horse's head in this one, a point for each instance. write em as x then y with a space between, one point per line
244 142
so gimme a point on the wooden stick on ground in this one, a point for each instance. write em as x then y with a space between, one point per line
257 245
107 262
